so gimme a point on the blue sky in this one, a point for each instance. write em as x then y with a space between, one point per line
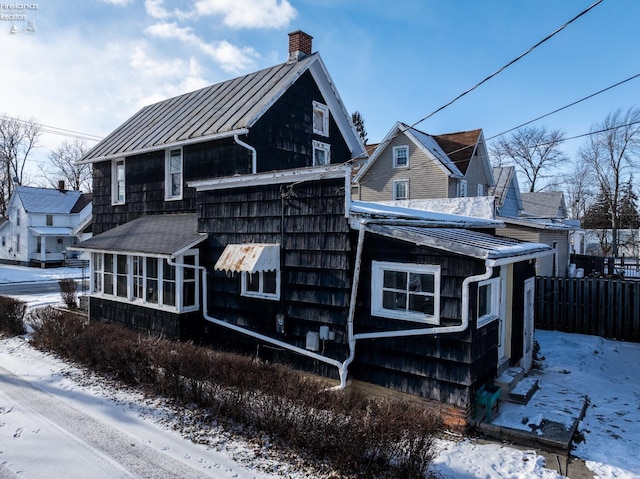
91 64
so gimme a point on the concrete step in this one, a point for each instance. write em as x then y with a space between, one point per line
522 392
508 379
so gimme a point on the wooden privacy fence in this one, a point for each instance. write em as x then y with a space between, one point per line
603 307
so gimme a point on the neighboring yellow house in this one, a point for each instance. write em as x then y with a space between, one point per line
410 164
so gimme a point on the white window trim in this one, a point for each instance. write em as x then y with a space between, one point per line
396 149
463 189
260 294
114 182
494 311
317 106
377 278
395 191
318 145
179 282
167 175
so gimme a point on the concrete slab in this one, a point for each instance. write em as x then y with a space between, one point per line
547 421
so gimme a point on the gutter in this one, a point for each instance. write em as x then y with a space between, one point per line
254 154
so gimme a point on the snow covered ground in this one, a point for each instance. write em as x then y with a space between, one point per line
59 421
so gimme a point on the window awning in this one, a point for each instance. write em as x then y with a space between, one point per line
249 258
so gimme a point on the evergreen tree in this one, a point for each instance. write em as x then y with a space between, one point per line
629 217
598 215
358 122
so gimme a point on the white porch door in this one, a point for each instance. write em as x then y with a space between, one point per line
529 295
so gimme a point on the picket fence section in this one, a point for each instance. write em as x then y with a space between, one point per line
603 307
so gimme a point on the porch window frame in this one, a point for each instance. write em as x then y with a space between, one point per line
160 301
378 269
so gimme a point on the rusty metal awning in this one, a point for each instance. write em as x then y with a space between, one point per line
249 258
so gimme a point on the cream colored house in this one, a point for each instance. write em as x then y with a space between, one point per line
410 164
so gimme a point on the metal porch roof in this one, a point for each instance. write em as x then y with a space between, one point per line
249 258
461 241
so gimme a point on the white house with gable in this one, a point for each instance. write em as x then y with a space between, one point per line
41 224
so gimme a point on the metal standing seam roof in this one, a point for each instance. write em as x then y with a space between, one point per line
461 241
225 107
162 235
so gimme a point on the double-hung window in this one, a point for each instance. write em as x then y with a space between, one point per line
173 174
406 291
118 182
321 153
488 301
401 156
320 119
463 189
401 189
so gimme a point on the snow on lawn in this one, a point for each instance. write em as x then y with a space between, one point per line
34 444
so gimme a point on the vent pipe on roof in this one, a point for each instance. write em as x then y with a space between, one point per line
61 186
300 44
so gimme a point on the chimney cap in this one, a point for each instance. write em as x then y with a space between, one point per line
300 45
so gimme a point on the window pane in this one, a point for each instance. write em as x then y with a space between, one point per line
108 283
169 293
108 263
269 278
152 281
253 282
176 184
189 292
394 300
395 280
421 282
168 271
318 120
421 303
484 300
152 267
320 157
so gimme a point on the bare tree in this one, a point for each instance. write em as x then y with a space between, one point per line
611 151
578 189
17 139
535 152
63 166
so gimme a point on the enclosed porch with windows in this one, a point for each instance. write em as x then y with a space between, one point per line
145 274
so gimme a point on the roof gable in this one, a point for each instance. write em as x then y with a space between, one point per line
544 204
421 140
220 110
47 200
459 146
506 187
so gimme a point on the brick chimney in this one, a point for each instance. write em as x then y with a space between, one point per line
61 185
299 45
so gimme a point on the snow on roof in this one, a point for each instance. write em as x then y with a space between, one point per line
475 206
429 143
47 200
382 210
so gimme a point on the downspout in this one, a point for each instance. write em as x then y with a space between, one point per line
254 154
242 330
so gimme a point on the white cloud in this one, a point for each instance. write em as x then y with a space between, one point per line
117 2
156 9
231 58
249 13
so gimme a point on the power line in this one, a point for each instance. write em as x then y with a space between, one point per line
548 37
54 130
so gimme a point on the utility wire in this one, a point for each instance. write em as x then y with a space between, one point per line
54 130
548 37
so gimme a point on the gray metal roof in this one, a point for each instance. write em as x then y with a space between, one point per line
544 204
47 200
461 241
155 235
222 108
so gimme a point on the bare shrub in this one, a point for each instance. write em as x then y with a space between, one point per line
69 292
12 313
54 330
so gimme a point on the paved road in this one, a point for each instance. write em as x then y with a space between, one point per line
36 287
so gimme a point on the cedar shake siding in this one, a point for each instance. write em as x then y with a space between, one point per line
446 367
426 178
186 326
308 221
144 192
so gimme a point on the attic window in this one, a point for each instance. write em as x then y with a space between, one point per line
321 153
405 291
49 220
401 156
117 182
320 119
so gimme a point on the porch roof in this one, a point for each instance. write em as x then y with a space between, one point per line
162 235
250 258
51 231
463 241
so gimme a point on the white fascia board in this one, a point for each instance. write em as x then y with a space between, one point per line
519 258
191 245
272 178
484 154
122 252
190 141
336 107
